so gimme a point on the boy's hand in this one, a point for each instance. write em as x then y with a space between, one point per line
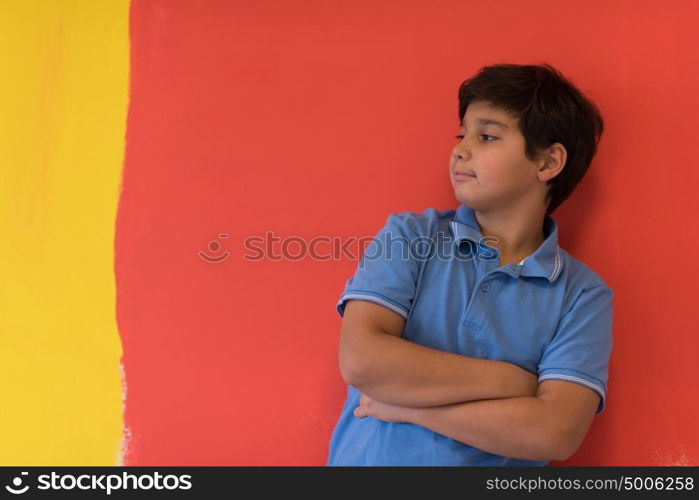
378 409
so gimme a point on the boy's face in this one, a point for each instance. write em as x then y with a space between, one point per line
502 176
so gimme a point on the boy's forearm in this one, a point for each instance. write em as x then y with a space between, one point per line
397 371
521 428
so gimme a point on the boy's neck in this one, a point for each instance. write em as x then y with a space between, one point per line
519 232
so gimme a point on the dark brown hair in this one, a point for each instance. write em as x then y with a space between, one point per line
549 109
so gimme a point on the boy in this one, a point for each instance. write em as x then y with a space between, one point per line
496 351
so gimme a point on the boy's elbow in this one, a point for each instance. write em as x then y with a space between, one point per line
348 369
564 445
561 451
360 364
548 448
353 369
365 327
357 356
551 440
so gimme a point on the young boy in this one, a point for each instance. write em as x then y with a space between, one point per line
494 352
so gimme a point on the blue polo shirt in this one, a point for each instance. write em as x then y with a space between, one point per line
550 314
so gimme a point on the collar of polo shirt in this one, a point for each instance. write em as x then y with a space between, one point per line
546 260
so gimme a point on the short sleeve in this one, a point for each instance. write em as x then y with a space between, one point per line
582 345
387 272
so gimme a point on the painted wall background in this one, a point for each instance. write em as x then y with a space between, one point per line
63 103
305 119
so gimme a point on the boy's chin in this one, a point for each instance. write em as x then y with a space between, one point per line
473 204
465 200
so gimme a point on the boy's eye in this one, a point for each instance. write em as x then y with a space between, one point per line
460 137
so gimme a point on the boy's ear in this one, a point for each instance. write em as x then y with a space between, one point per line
553 162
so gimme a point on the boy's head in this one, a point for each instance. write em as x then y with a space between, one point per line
550 138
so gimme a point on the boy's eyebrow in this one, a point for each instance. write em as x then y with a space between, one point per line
488 121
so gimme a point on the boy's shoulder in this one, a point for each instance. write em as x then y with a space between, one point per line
578 274
425 223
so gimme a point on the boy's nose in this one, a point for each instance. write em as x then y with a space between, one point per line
461 152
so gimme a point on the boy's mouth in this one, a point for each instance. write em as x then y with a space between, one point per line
462 173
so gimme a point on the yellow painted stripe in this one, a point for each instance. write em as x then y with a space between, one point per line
63 102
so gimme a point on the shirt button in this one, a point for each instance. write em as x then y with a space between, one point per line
485 287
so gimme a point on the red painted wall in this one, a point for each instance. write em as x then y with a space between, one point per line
320 118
